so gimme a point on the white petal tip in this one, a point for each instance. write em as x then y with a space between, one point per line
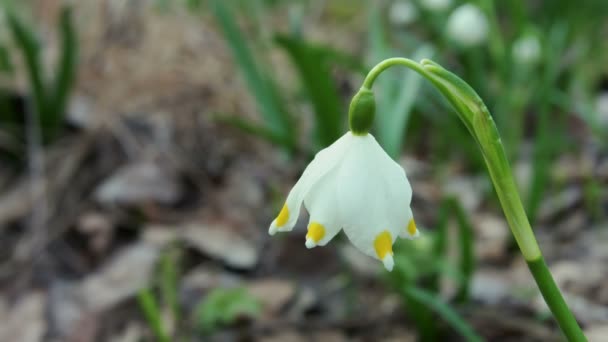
407 235
272 230
310 243
388 262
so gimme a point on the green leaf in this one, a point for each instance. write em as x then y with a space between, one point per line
277 120
169 275
315 74
398 92
30 50
467 257
152 313
392 125
253 129
66 74
6 65
224 306
445 311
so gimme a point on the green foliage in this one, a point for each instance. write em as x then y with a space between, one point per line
223 307
313 64
49 97
153 314
432 301
314 71
153 307
431 251
277 120
397 91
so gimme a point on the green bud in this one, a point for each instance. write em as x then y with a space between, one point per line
362 111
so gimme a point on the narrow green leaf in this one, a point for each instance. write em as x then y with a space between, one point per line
152 313
66 74
320 87
392 125
445 311
169 282
441 239
397 92
30 50
467 257
276 119
254 129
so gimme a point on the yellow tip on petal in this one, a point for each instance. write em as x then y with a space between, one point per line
383 244
411 227
283 216
316 232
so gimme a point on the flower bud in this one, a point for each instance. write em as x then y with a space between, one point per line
526 49
362 111
467 26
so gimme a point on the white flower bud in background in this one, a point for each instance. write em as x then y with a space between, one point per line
467 26
402 12
601 107
526 49
435 5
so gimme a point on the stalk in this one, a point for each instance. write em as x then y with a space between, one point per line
475 116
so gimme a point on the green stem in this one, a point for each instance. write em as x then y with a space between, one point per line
476 117
555 300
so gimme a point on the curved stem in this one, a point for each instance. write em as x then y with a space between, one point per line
476 117
387 63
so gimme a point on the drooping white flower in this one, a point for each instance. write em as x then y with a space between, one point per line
355 186
467 26
527 49
402 12
435 5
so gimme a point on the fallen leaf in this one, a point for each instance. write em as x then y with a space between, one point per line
25 320
129 271
140 183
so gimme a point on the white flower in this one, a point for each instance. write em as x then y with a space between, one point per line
468 26
402 12
435 5
352 185
526 49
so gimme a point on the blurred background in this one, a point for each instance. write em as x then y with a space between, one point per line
146 145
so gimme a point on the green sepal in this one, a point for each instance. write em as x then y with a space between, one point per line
362 111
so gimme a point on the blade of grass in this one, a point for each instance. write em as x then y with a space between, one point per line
430 300
276 119
254 129
316 77
544 148
30 50
392 126
169 282
394 106
467 257
65 77
440 243
152 313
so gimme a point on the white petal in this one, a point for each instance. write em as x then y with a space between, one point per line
322 205
409 227
373 195
388 262
324 161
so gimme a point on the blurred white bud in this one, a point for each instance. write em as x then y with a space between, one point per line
435 5
601 106
467 25
526 49
402 12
